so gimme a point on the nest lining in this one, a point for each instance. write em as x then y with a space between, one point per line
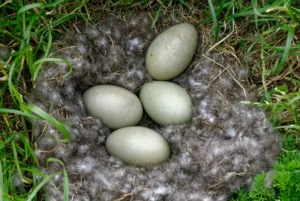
222 149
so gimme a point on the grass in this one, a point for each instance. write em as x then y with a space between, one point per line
29 30
263 35
282 183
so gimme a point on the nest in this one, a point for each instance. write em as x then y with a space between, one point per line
224 146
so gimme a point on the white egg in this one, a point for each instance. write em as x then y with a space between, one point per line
115 106
171 51
166 103
138 146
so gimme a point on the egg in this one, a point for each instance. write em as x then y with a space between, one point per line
171 51
166 103
115 106
138 146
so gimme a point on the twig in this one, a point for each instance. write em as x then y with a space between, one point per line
226 68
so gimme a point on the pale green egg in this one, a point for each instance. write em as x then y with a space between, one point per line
115 106
138 146
171 51
166 103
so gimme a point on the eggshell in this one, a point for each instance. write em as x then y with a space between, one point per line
138 146
171 51
115 106
166 103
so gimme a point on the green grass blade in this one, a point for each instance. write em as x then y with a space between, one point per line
51 120
18 112
53 4
58 22
49 44
248 12
215 20
37 189
293 100
292 126
256 13
16 96
65 175
291 31
29 7
9 139
5 32
185 4
1 183
27 37
47 50
35 172
27 147
295 114
138 3
6 2
40 61
294 80
16 160
157 14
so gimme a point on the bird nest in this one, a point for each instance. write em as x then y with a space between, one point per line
224 146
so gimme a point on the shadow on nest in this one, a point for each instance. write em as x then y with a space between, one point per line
224 146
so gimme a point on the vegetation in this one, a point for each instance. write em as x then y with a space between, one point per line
263 35
29 30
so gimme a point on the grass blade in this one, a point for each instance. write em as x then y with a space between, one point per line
29 7
185 4
51 120
1 183
57 2
278 68
215 21
289 126
40 61
157 14
37 189
16 160
66 179
16 96
18 112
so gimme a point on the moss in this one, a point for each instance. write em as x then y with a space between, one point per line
282 183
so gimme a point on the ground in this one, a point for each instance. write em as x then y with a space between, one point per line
262 36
